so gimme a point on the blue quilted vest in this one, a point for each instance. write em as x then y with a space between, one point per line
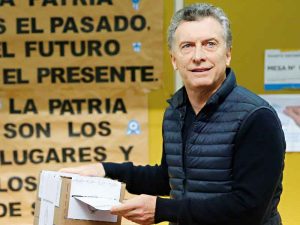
203 169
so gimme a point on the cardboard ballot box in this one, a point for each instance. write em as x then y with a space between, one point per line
69 199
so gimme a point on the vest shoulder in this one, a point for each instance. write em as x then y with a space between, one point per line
243 95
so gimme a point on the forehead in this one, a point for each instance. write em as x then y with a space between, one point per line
203 28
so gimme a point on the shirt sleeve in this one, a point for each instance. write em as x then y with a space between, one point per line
257 173
151 180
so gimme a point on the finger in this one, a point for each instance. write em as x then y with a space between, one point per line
87 173
131 218
70 170
136 220
119 213
132 214
122 209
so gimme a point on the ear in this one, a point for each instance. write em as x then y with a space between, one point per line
228 57
173 60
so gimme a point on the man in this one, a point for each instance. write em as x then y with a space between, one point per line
223 147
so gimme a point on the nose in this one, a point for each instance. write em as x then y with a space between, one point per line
199 54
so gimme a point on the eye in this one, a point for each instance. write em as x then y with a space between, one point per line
186 45
211 44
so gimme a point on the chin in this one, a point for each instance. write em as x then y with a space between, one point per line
203 83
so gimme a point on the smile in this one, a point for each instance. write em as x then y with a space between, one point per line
200 70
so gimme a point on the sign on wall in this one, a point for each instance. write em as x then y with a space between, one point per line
80 43
72 77
282 69
62 129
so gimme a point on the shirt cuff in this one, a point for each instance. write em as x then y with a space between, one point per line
167 210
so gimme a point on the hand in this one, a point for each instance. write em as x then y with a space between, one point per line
140 209
294 113
93 170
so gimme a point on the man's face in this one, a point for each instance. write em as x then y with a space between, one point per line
199 53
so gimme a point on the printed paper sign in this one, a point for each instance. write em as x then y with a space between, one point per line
282 69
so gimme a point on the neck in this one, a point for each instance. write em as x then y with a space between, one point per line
199 96
197 99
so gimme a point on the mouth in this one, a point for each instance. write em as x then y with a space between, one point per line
200 70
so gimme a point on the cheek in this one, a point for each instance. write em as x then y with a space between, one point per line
222 58
180 66
183 63
218 61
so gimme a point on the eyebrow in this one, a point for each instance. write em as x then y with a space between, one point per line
205 40
210 39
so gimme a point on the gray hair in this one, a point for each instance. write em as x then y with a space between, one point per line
195 12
